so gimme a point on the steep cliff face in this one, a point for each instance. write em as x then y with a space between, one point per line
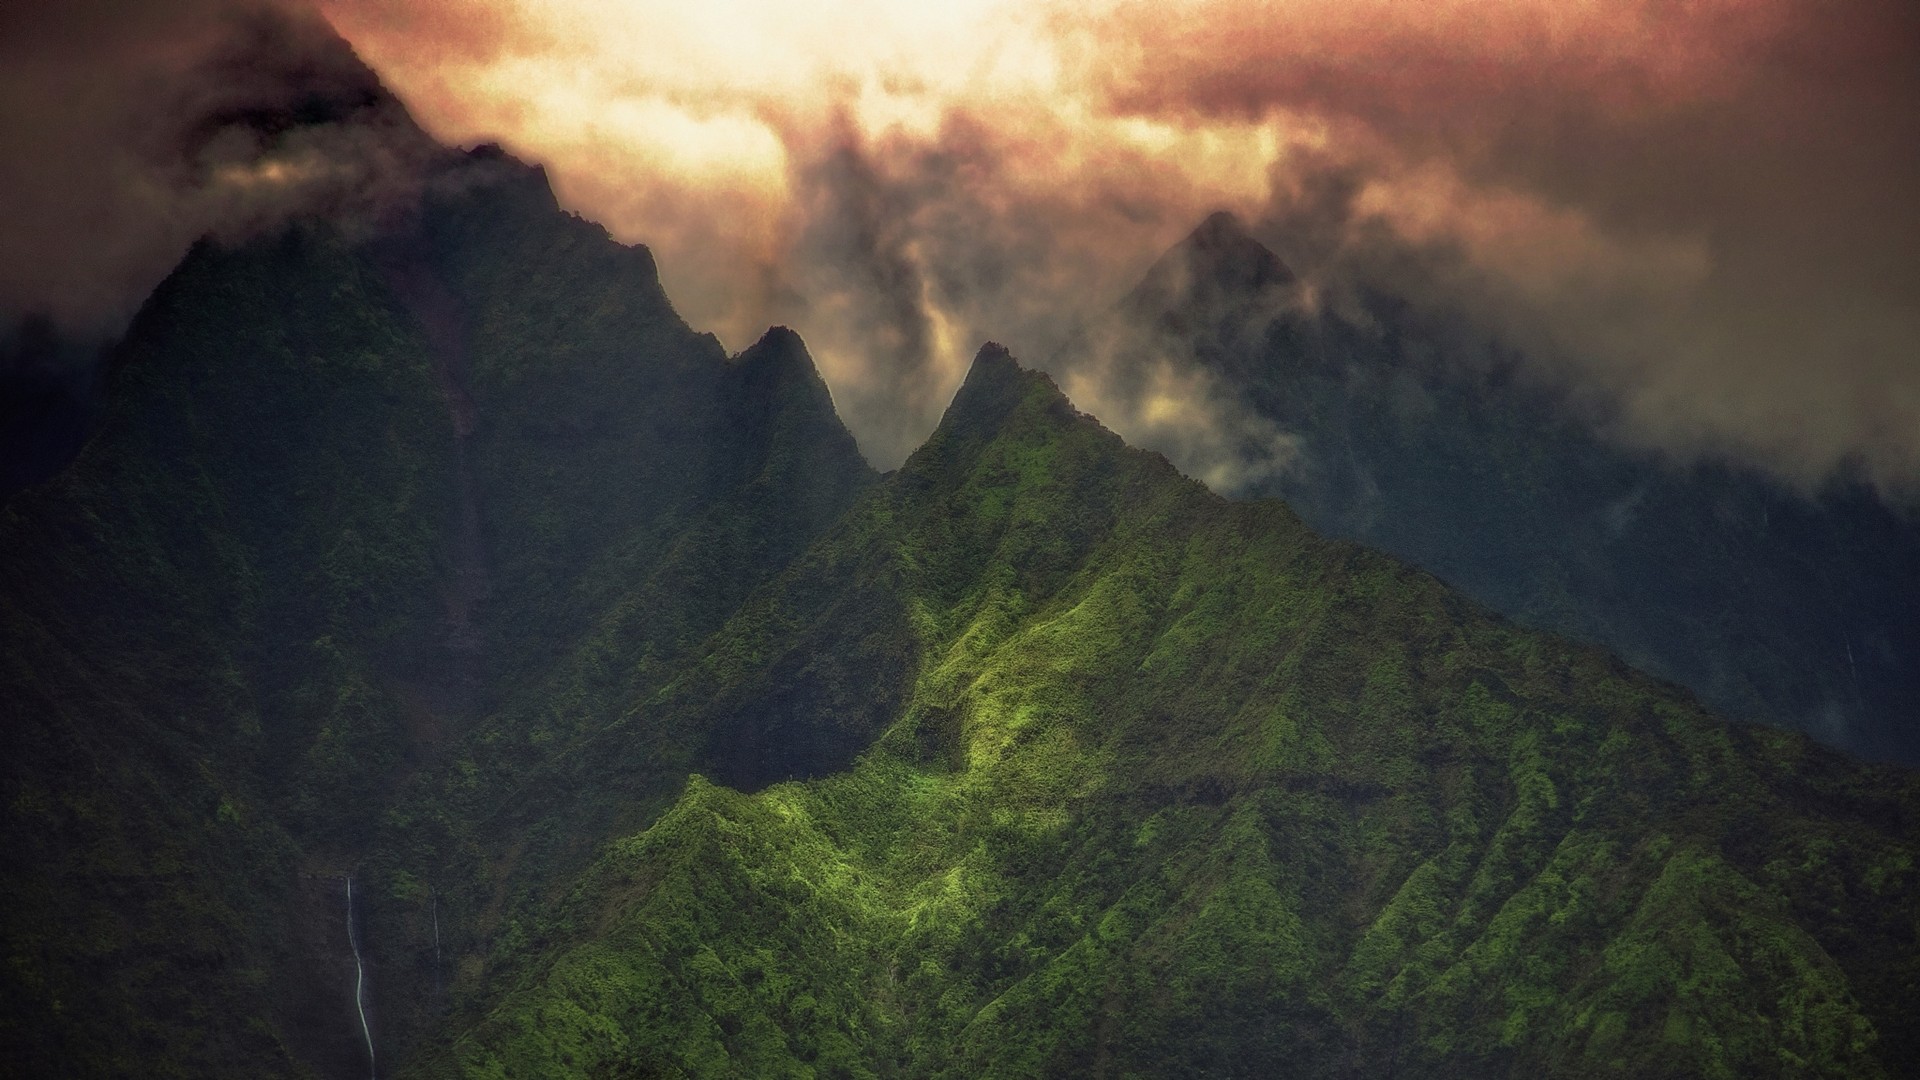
349 493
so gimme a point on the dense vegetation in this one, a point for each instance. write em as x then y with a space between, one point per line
1180 788
663 738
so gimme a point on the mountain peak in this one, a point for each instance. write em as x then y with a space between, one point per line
993 363
1221 226
1218 265
781 337
995 387
779 346
489 165
778 372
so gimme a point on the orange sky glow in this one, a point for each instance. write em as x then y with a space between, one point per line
752 143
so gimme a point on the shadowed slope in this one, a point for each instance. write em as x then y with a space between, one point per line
352 495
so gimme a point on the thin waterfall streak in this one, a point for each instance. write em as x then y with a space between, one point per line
1854 670
360 983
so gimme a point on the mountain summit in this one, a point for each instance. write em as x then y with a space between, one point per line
994 385
1217 270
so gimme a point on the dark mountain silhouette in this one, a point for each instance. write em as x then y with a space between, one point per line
1796 609
351 494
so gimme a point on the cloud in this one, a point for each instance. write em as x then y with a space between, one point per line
1152 390
132 129
912 248
1703 211
899 184
1700 214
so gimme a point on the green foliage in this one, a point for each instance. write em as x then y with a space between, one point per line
1180 789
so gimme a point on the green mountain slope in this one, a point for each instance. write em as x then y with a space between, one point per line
1176 787
354 492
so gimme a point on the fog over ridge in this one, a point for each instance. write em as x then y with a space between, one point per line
1700 215
134 128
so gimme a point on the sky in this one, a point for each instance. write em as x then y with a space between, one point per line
1702 211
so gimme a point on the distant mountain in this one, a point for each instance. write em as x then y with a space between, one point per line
1800 611
1209 278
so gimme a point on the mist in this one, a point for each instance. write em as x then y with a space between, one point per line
129 130
1700 216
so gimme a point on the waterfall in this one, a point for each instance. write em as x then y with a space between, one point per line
359 982
434 895
1854 671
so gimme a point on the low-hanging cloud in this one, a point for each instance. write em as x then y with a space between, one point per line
1701 214
132 129
912 249
1707 213
899 186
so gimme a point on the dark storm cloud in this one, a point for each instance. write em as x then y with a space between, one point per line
911 249
1044 269
862 278
1700 211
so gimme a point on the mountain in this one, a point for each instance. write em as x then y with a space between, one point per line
45 402
441 660
1800 610
1209 278
351 495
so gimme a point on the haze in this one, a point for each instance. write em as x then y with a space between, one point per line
1701 213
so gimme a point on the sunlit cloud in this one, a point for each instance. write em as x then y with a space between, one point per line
731 138
874 173
1702 211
